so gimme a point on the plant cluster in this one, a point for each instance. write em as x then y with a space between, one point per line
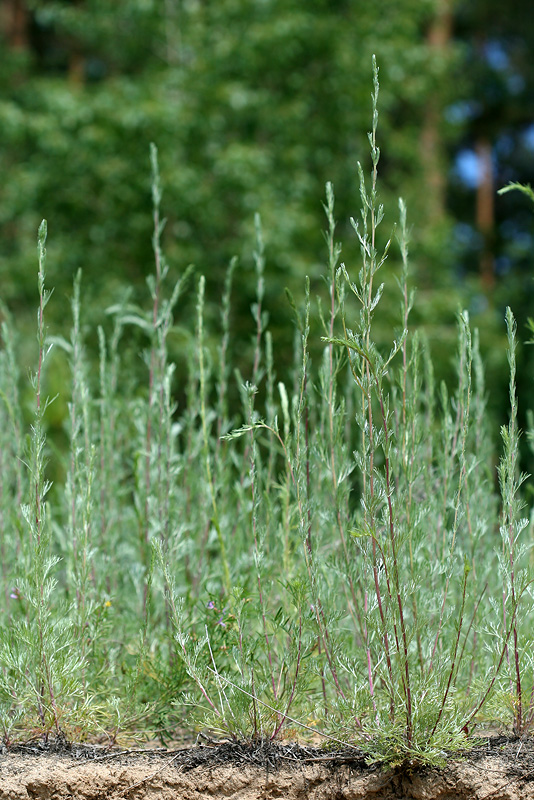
333 555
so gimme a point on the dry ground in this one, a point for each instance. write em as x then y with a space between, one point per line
500 768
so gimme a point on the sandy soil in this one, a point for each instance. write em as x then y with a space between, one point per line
499 769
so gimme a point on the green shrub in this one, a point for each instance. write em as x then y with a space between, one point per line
332 555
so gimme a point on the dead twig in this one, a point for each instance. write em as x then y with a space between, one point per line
109 756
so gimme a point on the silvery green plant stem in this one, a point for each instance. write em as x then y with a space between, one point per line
37 653
158 474
257 308
81 476
153 362
334 251
302 486
38 552
511 526
464 404
259 320
358 354
408 423
478 499
110 468
11 475
454 653
215 520
223 367
258 549
283 717
302 416
177 616
40 539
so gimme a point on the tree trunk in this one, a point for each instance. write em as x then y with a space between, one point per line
76 65
14 21
438 39
76 71
485 210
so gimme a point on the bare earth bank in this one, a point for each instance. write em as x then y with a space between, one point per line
500 768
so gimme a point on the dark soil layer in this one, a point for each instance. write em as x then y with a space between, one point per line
500 768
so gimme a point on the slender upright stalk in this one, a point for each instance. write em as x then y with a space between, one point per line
510 482
205 436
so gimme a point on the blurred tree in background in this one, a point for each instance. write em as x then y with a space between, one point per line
254 105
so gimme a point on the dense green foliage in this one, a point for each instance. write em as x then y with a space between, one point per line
254 106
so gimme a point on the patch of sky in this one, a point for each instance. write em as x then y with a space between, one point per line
498 59
505 145
527 137
496 55
519 242
460 112
95 69
503 265
515 83
510 229
478 305
466 237
467 167
522 243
